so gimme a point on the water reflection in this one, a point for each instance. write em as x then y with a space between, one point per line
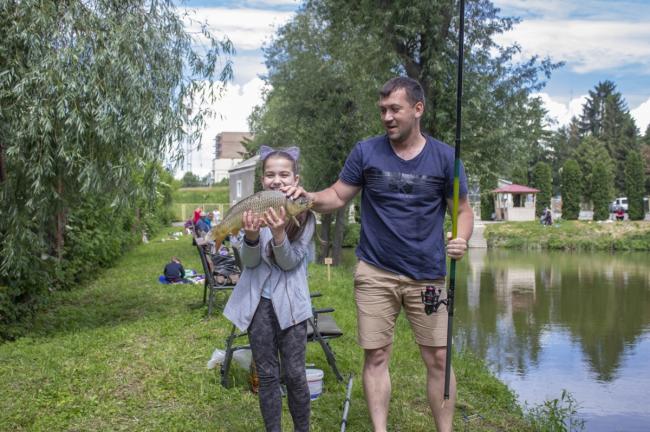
553 320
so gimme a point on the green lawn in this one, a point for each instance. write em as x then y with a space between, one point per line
210 198
571 235
126 353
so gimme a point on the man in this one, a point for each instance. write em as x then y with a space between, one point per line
407 183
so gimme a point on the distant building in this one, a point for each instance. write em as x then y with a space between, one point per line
242 179
228 151
513 202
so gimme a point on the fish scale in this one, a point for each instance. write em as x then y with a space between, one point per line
258 203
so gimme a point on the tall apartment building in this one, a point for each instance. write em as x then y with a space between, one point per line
228 152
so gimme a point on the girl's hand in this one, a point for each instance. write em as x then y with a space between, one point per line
251 223
276 222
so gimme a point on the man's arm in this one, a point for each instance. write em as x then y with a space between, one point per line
457 247
327 200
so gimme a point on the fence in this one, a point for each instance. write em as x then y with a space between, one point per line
185 211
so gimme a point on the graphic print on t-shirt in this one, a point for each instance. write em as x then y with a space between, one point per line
389 183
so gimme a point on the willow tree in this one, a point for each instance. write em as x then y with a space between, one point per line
93 94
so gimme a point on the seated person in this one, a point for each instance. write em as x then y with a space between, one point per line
174 271
620 213
202 226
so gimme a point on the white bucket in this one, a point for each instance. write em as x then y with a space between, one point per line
315 382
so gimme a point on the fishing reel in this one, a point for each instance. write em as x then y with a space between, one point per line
431 299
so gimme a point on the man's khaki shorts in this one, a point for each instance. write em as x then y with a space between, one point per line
380 294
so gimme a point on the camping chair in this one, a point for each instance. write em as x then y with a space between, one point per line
321 328
210 285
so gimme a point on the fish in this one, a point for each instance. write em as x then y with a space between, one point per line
258 203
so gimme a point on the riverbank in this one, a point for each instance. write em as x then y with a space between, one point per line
570 235
124 352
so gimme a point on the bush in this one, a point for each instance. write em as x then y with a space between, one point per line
601 187
571 190
543 180
351 235
635 185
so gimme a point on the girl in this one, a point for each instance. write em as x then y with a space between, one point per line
271 300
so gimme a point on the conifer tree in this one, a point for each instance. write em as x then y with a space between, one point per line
571 189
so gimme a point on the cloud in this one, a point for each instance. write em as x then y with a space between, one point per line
630 10
248 29
562 112
585 46
641 115
232 109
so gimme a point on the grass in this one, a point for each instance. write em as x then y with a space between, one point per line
124 352
185 200
571 235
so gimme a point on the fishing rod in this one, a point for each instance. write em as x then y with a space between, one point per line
431 296
454 211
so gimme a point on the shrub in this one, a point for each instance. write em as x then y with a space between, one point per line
635 185
571 190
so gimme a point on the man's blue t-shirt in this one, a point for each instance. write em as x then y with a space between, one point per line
403 205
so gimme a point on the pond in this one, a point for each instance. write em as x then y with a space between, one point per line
548 321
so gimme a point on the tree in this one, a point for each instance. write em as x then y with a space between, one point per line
601 185
635 185
487 184
571 189
605 116
190 180
542 179
645 154
502 123
95 94
520 175
590 151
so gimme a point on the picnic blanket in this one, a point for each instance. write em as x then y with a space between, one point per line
191 277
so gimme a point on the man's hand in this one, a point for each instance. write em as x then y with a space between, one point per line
457 247
276 222
294 192
251 223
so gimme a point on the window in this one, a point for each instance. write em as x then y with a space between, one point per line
238 189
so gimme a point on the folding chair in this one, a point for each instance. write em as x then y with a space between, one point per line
210 285
321 328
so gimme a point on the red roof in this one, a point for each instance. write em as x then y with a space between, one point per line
515 188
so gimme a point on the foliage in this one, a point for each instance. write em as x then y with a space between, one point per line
191 180
601 184
520 175
127 353
352 235
571 190
487 184
92 94
635 185
590 151
605 116
542 180
419 39
556 415
202 194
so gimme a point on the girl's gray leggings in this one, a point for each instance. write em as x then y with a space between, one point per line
267 341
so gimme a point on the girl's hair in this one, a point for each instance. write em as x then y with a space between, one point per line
293 231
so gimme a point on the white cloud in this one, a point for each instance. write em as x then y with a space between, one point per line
586 46
232 111
563 112
248 29
641 115
560 111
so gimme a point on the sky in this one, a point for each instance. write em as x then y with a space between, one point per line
597 40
